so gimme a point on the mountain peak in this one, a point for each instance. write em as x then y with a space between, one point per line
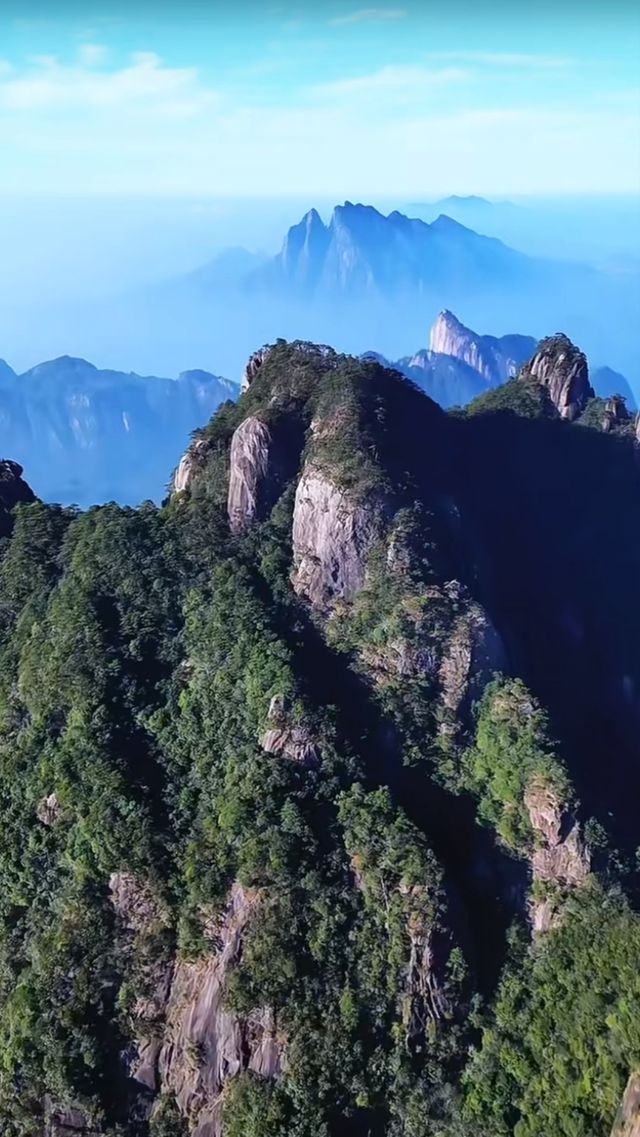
562 368
63 364
445 224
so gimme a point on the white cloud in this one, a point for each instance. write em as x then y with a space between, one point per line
149 128
92 54
393 79
365 15
49 85
501 58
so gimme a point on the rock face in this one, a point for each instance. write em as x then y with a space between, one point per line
289 739
190 465
562 369
424 1000
140 914
615 414
48 809
13 490
254 363
560 857
496 360
474 652
257 468
627 1122
205 1044
63 1121
332 536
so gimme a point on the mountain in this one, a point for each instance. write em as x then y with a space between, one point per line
227 270
319 783
460 206
608 382
89 435
363 252
460 364
496 360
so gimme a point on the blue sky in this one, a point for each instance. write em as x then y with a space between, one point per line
334 99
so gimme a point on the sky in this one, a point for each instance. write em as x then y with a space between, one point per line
323 100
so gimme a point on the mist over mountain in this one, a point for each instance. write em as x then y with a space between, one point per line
215 305
88 435
363 252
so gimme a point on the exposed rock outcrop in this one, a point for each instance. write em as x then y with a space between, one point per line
13 491
66 1121
254 363
560 367
141 914
48 809
332 536
496 360
135 903
627 1122
256 471
290 739
191 464
424 999
473 653
205 1044
615 414
560 859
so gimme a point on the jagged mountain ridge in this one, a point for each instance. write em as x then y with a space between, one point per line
459 364
248 741
363 252
89 435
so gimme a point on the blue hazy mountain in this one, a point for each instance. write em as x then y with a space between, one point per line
364 252
460 364
87 435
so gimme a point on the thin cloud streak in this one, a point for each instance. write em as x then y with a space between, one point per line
502 58
368 15
408 80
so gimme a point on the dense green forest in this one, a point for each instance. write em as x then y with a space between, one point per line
325 823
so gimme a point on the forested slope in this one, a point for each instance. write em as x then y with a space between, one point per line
317 784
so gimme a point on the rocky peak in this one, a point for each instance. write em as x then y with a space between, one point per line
13 491
560 367
191 463
615 413
495 359
304 249
254 363
6 372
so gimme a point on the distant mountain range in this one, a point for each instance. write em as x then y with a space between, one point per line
88 435
460 364
363 252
